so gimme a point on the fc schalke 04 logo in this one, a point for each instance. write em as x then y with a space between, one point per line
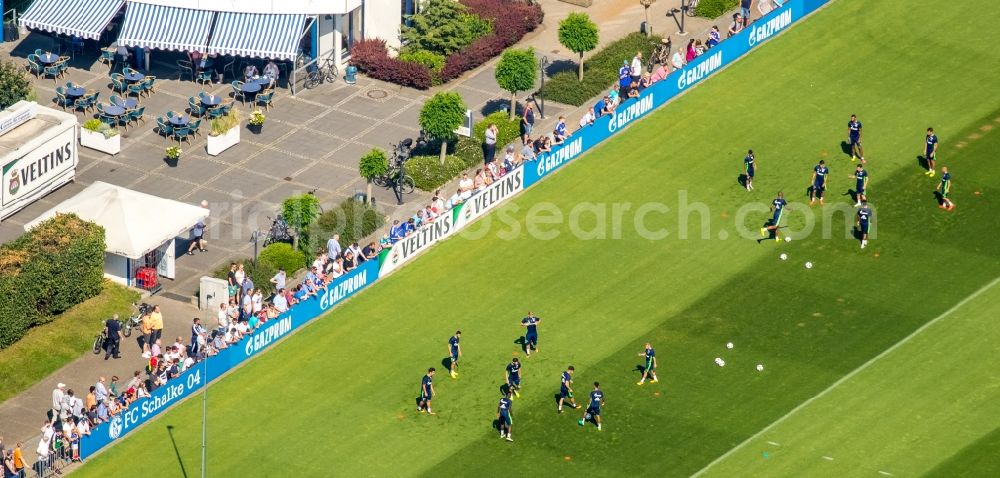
115 427
15 183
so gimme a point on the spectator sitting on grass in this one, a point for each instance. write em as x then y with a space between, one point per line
677 60
349 262
310 286
385 242
411 226
418 218
588 118
559 134
466 184
527 153
645 82
300 293
437 203
633 91
371 250
544 145
659 74
396 232
714 37
509 158
479 182
614 99
737 25
429 215
495 171
219 340
454 200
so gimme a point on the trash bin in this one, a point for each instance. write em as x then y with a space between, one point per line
351 74
644 29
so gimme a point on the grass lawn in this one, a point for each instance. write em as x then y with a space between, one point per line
48 347
336 399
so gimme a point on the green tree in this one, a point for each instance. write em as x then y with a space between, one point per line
373 164
443 27
300 212
516 71
579 35
14 84
441 116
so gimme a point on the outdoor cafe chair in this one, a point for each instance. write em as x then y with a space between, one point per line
195 125
136 115
137 89
61 99
238 90
87 101
227 105
52 71
264 99
147 84
215 112
108 57
204 77
196 108
164 128
39 52
34 67
230 67
118 83
106 118
184 68
116 100
182 133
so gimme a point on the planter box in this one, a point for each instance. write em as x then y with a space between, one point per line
95 140
217 144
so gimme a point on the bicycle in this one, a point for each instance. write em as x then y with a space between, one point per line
135 320
99 341
661 53
396 176
692 5
327 73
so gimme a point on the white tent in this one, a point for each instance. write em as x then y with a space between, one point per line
135 224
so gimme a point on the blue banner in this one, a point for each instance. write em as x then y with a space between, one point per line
663 91
197 376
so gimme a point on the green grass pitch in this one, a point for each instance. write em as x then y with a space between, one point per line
337 398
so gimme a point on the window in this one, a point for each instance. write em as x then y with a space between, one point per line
352 29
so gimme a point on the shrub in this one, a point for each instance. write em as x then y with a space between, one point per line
14 84
472 56
443 27
429 174
511 20
366 52
600 71
429 59
282 256
714 8
300 212
353 220
56 265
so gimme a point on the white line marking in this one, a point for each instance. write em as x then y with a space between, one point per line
886 473
827 458
850 375
774 443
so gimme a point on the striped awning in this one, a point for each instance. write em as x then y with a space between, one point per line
165 28
257 35
83 18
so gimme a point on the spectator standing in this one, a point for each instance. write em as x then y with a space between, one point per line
466 184
677 60
234 286
198 231
91 398
279 301
279 279
57 400
156 323
44 444
636 67
113 329
101 390
146 327
490 143
196 331
333 248
19 463
624 78
527 123
745 11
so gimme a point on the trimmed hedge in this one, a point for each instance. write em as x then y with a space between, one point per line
600 72
428 173
714 8
260 273
511 20
283 256
353 220
56 265
470 150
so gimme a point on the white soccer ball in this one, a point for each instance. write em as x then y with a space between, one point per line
783 256
729 345
788 239
809 265
760 367
720 362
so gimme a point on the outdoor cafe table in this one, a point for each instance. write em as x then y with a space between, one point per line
211 100
251 88
48 58
129 103
75 92
261 80
134 77
180 120
114 110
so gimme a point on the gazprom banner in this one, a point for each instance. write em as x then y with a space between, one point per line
663 91
195 378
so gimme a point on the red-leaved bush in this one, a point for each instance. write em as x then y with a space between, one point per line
512 19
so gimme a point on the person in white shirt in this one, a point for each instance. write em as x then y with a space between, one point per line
249 72
279 279
223 315
636 68
279 301
57 399
258 302
588 118
271 71
677 60
465 185
83 427
43 443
